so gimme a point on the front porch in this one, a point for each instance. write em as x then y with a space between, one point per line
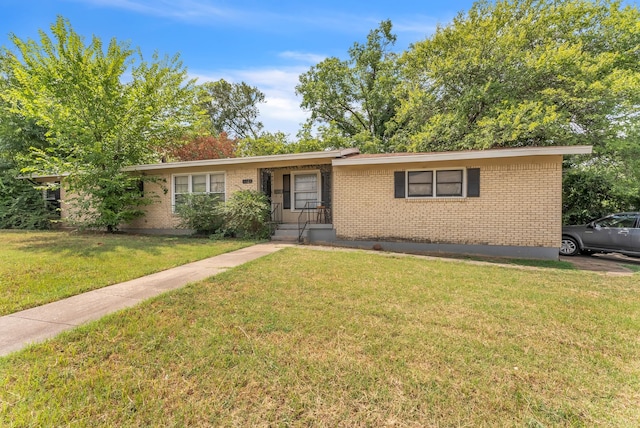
301 199
299 191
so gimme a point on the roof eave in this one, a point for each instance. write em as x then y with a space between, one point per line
467 155
329 154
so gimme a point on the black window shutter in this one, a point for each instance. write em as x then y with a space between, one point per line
398 185
286 191
473 182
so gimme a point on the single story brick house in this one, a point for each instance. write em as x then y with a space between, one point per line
500 202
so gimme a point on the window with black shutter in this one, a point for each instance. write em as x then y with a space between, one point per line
398 178
286 191
437 183
473 182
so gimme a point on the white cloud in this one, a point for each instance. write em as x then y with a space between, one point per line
302 56
244 14
178 9
423 26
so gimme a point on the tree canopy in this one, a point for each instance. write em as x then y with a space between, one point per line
522 73
355 97
101 108
508 73
232 108
204 146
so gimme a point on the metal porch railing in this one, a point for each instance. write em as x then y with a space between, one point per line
313 212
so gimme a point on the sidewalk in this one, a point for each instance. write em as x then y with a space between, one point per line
43 322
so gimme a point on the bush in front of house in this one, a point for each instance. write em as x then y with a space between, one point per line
200 212
21 204
246 215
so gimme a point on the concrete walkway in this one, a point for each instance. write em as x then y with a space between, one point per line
38 324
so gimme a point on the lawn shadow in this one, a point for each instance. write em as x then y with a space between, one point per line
94 244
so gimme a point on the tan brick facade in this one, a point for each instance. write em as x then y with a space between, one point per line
160 215
520 204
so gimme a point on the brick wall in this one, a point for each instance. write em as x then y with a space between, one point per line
520 204
159 215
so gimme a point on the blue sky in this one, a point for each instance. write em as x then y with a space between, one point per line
267 44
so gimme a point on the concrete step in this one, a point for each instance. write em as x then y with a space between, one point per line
284 238
294 226
288 232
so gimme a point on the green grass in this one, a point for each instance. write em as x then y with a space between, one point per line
320 338
634 268
549 264
41 267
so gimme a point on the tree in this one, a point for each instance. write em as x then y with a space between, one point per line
523 73
278 144
96 122
356 96
232 108
200 147
588 194
533 73
21 202
17 133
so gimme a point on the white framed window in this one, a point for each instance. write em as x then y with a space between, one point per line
212 183
305 190
436 183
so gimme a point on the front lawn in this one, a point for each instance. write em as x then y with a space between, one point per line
320 338
41 267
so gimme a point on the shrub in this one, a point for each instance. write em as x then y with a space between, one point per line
246 214
21 204
201 213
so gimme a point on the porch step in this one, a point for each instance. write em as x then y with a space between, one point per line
294 226
288 232
282 238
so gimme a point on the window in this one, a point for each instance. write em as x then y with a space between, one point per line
617 221
51 196
180 188
420 183
210 183
199 183
449 183
306 192
435 183
216 185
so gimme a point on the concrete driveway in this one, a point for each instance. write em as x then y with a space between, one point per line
612 263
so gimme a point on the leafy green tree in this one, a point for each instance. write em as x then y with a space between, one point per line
232 108
356 97
103 108
277 143
21 203
588 195
265 144
523 73
17 133
605 183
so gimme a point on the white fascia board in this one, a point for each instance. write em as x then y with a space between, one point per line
245 160
466 155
